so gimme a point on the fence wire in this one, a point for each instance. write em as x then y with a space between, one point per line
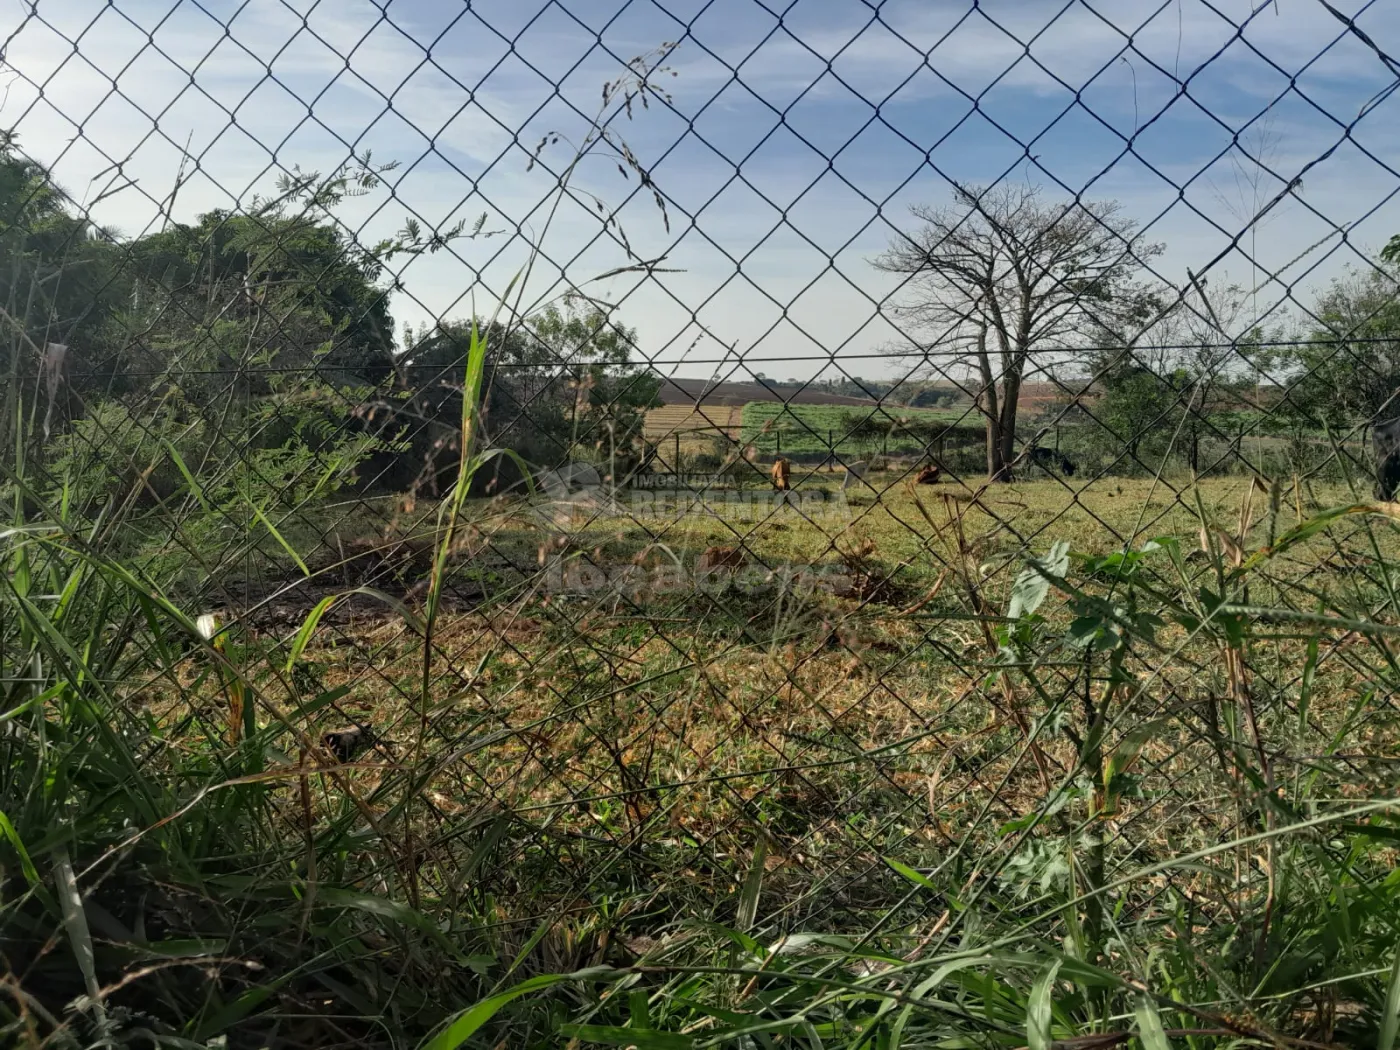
900 472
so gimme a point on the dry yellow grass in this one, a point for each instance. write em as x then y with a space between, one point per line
694 716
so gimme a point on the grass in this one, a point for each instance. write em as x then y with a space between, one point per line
722 809
799 429
1045 764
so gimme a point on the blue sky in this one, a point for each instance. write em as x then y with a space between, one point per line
795 139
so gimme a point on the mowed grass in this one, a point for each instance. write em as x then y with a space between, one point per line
602 693
802 429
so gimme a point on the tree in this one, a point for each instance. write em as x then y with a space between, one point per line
254 340
588 358
1003 276
61 283
314 289
929 396
1185 363
563 379
1347 366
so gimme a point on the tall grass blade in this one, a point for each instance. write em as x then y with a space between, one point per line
31 874
1150 1032
469 1021
75 924
753 886
1390 1012
1040 1009
281 540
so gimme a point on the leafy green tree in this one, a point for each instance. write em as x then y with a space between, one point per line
1347 368
61 282
590 378
259 337
304 293
1179 380
930 396
561 381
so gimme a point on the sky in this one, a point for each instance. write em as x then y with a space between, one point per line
786 141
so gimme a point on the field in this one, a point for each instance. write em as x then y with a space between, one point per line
367 684
695 428
807 429
702 714
868 719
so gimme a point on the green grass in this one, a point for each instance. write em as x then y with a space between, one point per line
1102 764
651 789
824 428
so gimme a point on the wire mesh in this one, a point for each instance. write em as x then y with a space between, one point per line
447 386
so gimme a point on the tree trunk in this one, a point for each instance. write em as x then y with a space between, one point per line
996 441
1010 398
996 463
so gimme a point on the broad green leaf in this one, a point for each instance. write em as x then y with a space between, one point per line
1027 820
638 1037
308 627
1150 1032
1311 528
31 874
1128 751
1039 1009
638 1011
1033 584
912 875
948 969
469 1021
1390 1013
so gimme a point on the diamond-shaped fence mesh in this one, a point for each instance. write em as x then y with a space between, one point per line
867 525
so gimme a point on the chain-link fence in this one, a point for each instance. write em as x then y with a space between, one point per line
849 525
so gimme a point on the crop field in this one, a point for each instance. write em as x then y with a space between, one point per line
686 419
696 429
799 429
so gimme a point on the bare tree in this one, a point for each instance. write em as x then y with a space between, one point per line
1002 277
